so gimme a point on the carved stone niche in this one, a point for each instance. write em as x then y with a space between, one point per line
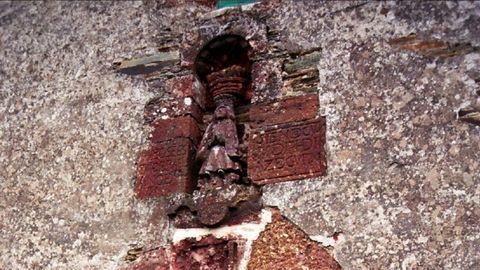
223 193
244 115
240 112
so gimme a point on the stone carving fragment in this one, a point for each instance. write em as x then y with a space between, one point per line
218 149
221 195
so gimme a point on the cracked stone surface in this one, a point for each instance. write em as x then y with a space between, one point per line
403 184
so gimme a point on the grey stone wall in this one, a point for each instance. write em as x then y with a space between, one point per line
403 181
70 133
402 189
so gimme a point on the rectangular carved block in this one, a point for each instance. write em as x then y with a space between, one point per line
166 168
292 109
168 165
287 152
178 127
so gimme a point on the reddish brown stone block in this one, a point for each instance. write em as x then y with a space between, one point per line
178 127
293 109
188 53
208 253
288 152
282 245
168 165
166 168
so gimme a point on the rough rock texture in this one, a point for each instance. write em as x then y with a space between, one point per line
205 253
402 188
283 246
70 134
403 180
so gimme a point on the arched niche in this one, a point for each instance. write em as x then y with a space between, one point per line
219 53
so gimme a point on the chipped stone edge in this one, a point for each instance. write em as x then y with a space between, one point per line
248 231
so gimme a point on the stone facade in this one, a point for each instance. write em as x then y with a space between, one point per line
401 190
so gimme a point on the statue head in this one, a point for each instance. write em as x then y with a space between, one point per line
224 112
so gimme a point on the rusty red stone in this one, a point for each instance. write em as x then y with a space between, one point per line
292 109
223 67
166 168
178 127
212 210
156 259
207 253
282 245
228 81
287 152
247 211
168 165
219 148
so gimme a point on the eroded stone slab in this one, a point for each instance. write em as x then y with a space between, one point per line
165 168
282 245
207 253
287 152
168 165
178 127
292 109
147 64
301 74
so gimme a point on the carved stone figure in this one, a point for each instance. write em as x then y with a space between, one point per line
218 150
220 196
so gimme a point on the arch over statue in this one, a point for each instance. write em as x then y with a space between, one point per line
223 66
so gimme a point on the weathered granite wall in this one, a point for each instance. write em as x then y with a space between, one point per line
402 188
70 134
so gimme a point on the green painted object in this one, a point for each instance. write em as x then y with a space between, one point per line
233 3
